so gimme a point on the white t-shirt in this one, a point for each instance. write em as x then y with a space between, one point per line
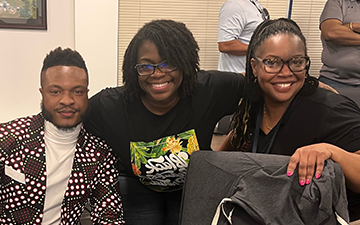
237 20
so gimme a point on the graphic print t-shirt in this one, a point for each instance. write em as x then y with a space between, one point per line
162 164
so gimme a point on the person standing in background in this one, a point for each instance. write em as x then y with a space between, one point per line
340 36
237 22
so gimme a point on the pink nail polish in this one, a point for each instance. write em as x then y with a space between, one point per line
317 176
302 183
289 173
307 181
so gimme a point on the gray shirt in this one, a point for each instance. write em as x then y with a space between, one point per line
341 63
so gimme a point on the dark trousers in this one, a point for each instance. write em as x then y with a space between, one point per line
143 206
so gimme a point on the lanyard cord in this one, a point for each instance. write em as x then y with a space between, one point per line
258 6
264 13
257 133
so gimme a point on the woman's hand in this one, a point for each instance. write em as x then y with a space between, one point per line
325 86
310 160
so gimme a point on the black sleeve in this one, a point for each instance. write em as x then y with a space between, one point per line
342 126
226 88
94 121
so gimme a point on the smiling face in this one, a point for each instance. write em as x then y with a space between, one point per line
281 87
160 88
64 95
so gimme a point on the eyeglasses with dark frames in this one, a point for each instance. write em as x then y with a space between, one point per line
275 65
149 69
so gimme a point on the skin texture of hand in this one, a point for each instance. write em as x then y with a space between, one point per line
325 86
310 160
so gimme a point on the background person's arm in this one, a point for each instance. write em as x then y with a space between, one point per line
233 47
232 21
334 31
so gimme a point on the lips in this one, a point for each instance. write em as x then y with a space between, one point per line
67 112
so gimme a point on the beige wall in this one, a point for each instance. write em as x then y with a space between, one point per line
96 38
83 25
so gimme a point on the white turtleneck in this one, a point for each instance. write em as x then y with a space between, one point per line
59 152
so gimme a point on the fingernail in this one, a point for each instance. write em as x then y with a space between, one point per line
302 183
308 181
289 173
317 176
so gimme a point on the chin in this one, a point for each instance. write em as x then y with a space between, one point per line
160 98
285 99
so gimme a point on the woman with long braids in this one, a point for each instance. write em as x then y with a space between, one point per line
166 110
284 112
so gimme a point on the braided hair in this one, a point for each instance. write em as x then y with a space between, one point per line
175 44
243 119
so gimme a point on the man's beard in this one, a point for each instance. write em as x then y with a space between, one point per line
47 116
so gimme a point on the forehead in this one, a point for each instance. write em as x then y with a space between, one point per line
148 51
64 76
281 44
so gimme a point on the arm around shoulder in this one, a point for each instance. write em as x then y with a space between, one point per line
350 165
226 145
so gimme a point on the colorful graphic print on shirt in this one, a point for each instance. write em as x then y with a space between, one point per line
162 164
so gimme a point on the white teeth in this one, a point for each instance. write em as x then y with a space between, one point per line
284 85
159 85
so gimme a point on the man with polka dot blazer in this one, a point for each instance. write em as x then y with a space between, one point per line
50 166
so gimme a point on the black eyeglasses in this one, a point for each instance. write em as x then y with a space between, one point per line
275 65
149 69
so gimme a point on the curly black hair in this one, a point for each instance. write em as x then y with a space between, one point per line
175 44
64 57
243 118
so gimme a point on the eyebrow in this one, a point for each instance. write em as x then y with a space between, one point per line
58 86
274 56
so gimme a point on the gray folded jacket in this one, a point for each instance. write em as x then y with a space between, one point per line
254 189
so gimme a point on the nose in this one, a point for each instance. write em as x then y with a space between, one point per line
285 70
157 72
67 99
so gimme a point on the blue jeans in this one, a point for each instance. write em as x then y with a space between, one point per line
143 206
